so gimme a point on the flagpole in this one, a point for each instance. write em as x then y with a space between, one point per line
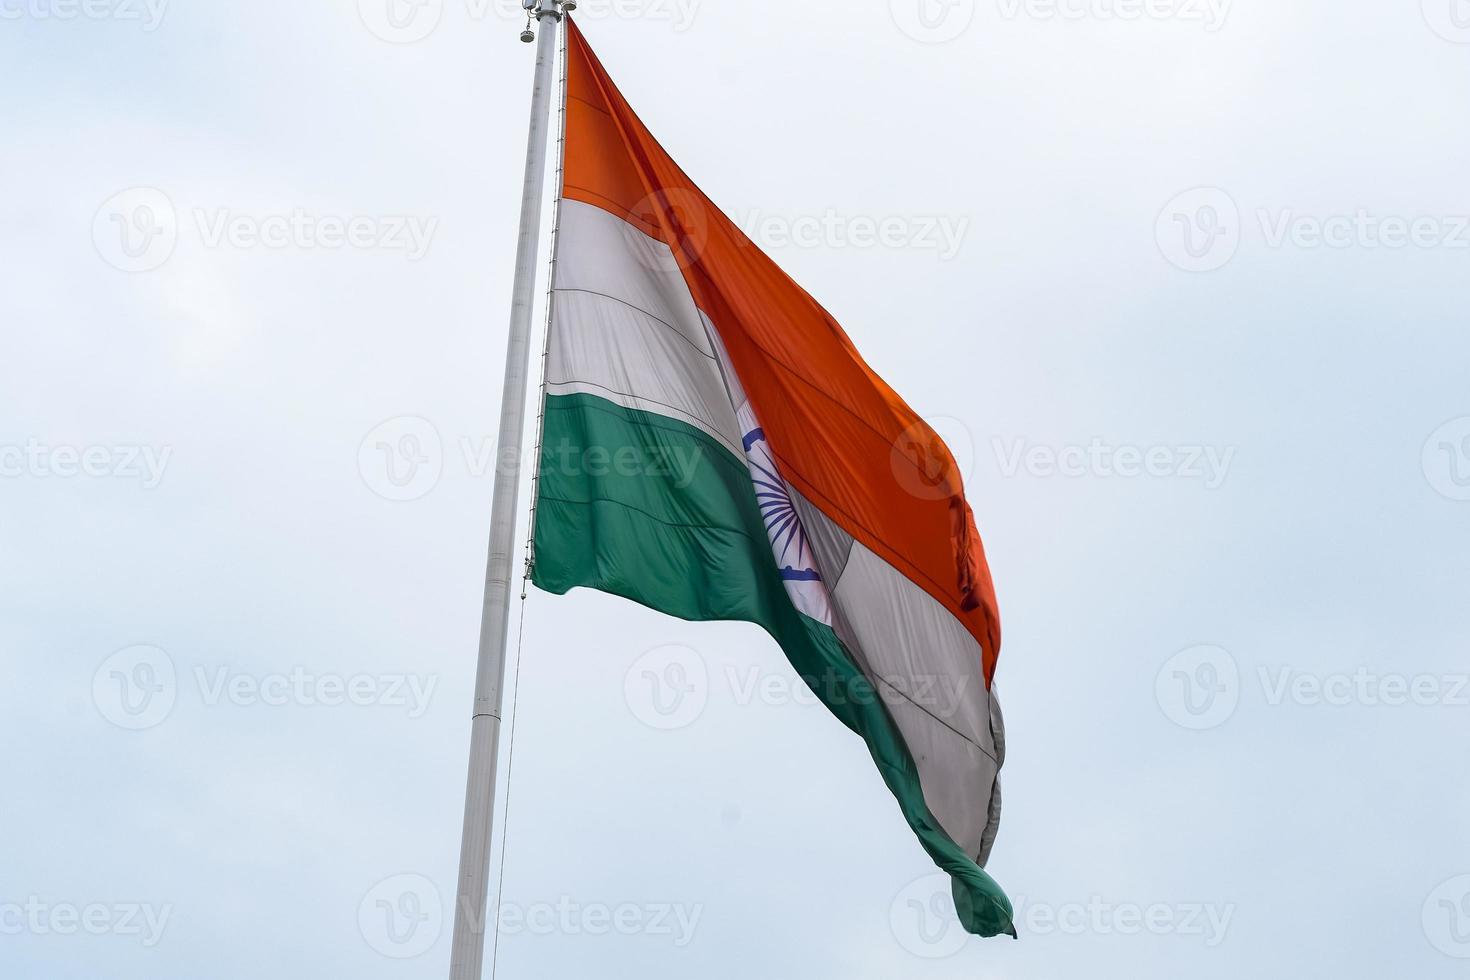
470 919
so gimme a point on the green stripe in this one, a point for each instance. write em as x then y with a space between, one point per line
653 509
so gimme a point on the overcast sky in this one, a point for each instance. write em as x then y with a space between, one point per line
1182 281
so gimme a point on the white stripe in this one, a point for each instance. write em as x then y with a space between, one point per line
624 326
930 670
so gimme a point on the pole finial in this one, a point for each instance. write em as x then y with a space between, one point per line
537 10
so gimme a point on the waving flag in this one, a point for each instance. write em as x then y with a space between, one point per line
714 447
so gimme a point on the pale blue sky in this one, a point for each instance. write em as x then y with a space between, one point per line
1235 686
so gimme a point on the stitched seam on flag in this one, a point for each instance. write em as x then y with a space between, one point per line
643 166
602 201
672 329
737 464
938 592
864 665
901 693
872 678
592 105
830 398
846 561
619 412
839 606
641 398
916 571
828 320
652 517
591 198
933 587
935 840
884 741
770 356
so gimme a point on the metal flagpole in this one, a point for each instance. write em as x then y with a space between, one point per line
470 919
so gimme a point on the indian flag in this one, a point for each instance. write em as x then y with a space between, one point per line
757 469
